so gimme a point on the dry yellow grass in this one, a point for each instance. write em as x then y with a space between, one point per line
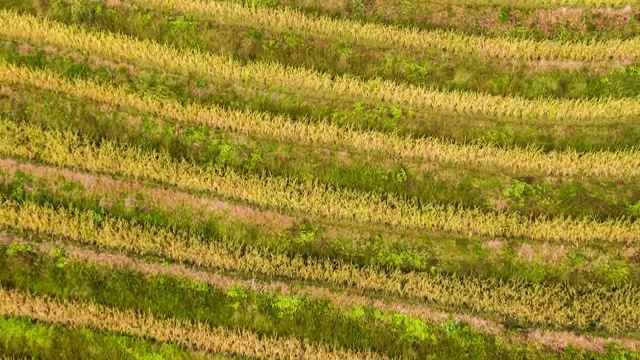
122 48
66 149
292 21
568 163
191 335
551 304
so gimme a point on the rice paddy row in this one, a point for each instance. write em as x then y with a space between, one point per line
540 133
446 61
63 148
551 304
225 220
331 94
251 146
324 103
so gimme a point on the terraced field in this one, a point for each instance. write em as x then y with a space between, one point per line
302 179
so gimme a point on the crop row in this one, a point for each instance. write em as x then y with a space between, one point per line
516 19
338 163
228 301
620 165
66 149
287 20
545 134
276 233
123 48
196 336
236 307
410 4
591 306
436 68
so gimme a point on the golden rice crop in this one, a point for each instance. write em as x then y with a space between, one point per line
54 181
622 164
552 304
192 335
66 149
292 21
115 46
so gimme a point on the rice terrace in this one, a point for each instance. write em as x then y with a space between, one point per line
308 179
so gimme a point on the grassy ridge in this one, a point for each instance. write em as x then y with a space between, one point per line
558 305
275 233
69 150
200 143
427 60
335 99
239 307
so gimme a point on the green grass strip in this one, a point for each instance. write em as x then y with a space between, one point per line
21 338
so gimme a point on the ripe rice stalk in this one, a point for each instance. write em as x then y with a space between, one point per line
69 150
192 335
122 48
292 21
621 164
550 304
